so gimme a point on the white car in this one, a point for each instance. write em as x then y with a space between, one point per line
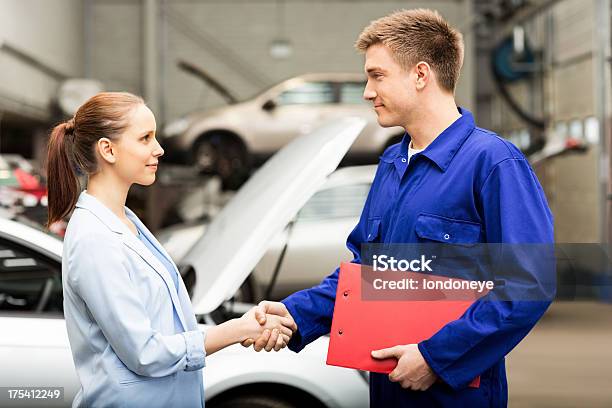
308 249
34 348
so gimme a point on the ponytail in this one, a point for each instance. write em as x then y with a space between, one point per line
62 182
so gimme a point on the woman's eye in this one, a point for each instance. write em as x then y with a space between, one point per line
146 138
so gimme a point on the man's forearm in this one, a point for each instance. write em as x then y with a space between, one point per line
465 348
312 310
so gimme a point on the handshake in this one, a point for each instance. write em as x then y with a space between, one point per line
269 326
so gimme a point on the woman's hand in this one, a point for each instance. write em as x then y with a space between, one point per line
278 328
274 330
264 309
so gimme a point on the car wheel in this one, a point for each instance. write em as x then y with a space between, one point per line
206 156
255 401
224 156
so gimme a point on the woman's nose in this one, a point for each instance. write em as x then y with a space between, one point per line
159 151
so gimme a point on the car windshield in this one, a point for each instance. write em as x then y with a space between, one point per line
339 202
308 93
352 93
29 281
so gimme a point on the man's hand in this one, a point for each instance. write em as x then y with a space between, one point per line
275 329
266 340
412 371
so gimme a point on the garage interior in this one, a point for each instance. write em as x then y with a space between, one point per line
536 72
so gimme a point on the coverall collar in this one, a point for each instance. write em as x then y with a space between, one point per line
444 147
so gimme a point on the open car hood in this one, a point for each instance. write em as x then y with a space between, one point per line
240 234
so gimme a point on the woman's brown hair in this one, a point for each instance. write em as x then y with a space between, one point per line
72 146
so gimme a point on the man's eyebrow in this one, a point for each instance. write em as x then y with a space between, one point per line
371 69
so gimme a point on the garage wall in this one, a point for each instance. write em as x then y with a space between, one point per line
115 46
48 31
566 94
230 40
569 83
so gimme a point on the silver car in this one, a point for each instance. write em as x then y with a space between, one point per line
227 140
308 249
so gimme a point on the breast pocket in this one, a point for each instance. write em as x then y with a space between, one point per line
431 227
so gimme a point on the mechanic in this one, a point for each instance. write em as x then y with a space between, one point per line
448 181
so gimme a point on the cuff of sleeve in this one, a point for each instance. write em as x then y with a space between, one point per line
297 342
194 341
447 378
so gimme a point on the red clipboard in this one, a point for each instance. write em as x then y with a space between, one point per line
359 326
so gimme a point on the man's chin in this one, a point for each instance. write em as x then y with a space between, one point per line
383 122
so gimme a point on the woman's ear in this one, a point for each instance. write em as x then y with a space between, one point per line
105 149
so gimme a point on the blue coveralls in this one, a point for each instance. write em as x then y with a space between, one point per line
468 185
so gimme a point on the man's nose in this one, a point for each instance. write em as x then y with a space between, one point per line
368 93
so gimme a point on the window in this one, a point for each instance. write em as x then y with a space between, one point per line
524 139
514 138
308 93
352 92
575 129
561 132
338 202
28 281
591 130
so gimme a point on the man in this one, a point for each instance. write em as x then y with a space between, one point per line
447 181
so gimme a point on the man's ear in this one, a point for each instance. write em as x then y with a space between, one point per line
423 74
105 149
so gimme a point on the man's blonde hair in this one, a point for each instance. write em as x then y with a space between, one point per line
419 35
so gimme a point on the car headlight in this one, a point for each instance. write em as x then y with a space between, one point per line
176 127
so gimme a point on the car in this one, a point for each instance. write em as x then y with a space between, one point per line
227 140
34 346
23 193
19 185
308 249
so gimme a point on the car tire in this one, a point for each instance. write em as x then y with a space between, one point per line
224 156
255 401
205 156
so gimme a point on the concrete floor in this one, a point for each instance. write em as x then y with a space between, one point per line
566 360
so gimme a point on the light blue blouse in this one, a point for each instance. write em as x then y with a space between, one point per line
165 261
168 265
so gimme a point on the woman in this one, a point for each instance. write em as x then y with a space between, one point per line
132 330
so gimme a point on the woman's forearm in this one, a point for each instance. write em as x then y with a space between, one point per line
246 327
223 335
